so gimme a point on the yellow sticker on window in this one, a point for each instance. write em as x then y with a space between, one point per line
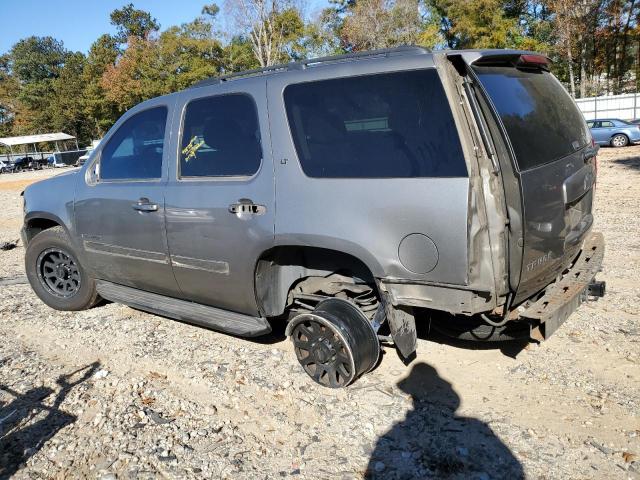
191 149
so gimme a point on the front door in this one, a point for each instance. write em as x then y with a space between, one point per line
119 207
220 194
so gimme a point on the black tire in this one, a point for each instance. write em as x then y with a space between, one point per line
619 140
55 274
476 331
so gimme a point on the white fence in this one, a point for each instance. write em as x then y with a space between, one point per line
625 107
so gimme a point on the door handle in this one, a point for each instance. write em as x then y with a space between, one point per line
247 206
144 205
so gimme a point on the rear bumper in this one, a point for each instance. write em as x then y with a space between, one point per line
565 296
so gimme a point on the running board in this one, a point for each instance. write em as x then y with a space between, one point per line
195 313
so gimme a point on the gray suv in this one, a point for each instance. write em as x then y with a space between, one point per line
350 197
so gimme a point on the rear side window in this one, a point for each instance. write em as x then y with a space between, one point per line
393 125
220 138
135 150
541 120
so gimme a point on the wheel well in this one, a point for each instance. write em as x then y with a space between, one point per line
620 133
37 225
280 268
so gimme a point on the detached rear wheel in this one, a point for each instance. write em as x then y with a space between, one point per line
55 274
335 343
619 140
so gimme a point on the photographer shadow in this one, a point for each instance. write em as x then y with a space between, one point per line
33 417
433 442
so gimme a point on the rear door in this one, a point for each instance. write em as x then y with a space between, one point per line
220 206
553 160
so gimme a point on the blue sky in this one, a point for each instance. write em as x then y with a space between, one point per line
79 22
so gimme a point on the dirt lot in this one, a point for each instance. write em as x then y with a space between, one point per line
116 393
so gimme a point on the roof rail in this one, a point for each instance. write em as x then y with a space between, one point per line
303 64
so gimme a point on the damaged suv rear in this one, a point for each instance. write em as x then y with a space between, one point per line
351 196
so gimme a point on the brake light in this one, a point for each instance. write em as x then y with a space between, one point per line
532 60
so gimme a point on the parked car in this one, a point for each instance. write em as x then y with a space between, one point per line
54 161
6 166
29 163
614 132
348 196
82 159
22 163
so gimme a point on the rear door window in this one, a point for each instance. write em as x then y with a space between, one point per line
606 124
134 151
392 125
221 137
539 116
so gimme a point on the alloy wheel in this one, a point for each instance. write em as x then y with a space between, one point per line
58 273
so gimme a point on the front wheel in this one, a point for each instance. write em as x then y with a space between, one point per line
619 140
55 274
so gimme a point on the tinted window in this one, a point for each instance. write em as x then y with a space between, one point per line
221 137
376 126
135 150
541 120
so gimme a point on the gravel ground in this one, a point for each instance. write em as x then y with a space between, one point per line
117 393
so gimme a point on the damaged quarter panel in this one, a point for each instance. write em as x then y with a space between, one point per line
375 150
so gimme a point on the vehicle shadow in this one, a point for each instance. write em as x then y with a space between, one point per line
632 163
433 442
33 417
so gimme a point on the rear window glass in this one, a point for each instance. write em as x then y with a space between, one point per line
395 125
541 120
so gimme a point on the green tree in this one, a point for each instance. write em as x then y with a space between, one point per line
131 22
238 55
9 105
186 56
67 113
35 63
100 110
478 23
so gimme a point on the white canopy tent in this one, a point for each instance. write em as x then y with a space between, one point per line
35 139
